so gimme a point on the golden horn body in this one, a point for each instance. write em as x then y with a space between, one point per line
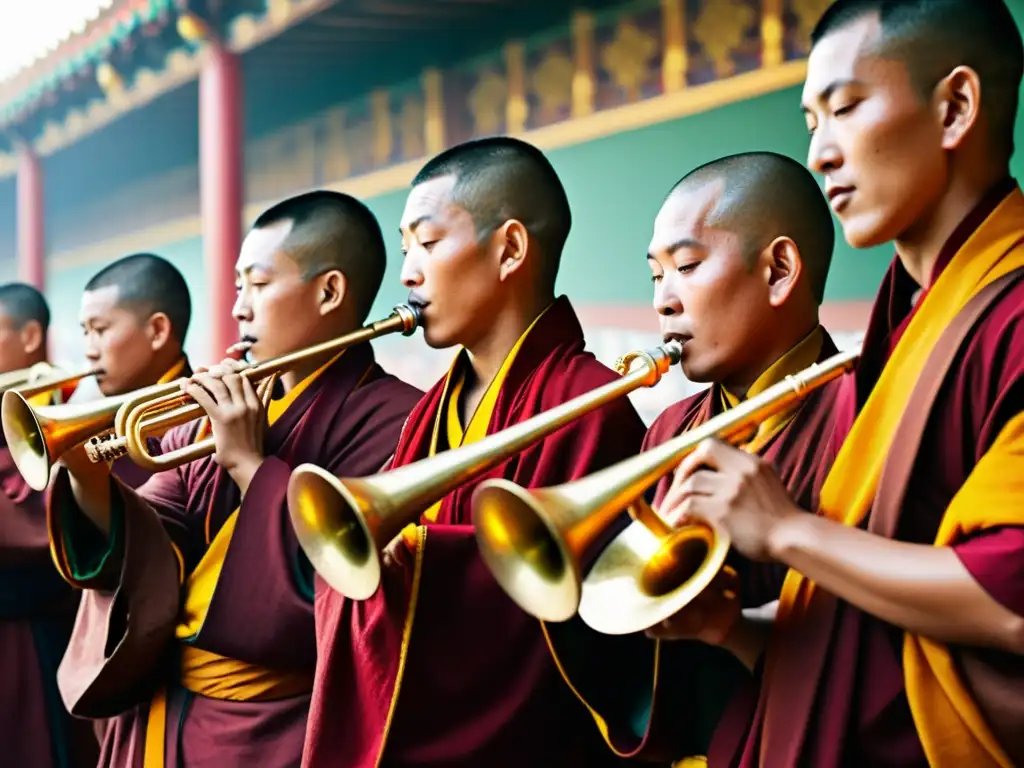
343 524
38 436
39 378
536 542
146 414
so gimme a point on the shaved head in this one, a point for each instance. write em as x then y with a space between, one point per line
22 303
331 230
147 284
765 196
498 179
933 37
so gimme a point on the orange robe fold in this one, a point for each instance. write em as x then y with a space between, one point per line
841 687
660 701
440 667
195 634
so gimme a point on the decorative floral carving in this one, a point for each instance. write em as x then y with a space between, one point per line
552 82
720 30
627 58
487 103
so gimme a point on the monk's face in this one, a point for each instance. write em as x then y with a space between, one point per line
19 346
121 344
706 293
278 311
447 267
874 138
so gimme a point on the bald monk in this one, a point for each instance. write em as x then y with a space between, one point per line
135 314
439 667
37 608
196 629
739 257
900 629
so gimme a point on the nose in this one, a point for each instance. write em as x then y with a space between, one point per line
241 311
823 155
92 350
667 302
412 276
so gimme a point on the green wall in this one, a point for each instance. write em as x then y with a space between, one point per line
615 185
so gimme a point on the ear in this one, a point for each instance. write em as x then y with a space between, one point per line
783 267
959 104
513 241
331 291
31 336
158 328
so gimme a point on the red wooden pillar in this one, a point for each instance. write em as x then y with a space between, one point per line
220 189
31 221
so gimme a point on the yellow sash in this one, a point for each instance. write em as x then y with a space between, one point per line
802 356
448 413
206 673
948 722
806 352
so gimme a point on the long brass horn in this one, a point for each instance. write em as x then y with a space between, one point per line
148 413
343 524
39 378
536 542
38 436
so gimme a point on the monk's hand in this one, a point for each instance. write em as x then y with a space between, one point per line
730 488
711 616
236 413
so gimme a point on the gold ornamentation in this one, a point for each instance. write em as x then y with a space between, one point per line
627 58
411 127
807 13
487 102
337 164
552 82
720 29
380 108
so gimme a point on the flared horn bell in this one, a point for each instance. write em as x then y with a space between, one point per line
342 526
538 543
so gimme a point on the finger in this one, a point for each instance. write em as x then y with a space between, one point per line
215 386
705 455
231 364
233 384
252 397
703 483
203 398
237 350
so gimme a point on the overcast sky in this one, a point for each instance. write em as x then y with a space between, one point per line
29 29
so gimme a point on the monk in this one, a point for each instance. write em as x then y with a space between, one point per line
739 274
900 628
135 314
37 608
439 667
196 628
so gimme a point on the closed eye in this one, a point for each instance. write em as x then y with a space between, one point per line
687 268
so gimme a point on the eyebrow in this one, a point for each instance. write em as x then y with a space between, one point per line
252 267
415 223
678 245
826 93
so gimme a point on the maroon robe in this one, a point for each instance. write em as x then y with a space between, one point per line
695 681
475 684
37 610
859 713
348 421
